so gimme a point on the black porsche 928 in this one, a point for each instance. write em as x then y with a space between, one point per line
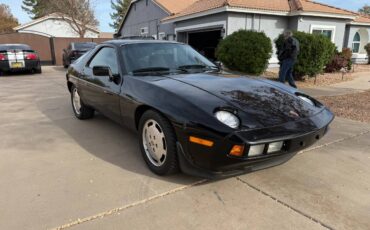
189 115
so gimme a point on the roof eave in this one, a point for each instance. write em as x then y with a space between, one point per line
257 11
225 9
359 23
321 14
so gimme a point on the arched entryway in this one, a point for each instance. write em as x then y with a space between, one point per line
359 41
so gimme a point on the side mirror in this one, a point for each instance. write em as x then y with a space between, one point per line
104 71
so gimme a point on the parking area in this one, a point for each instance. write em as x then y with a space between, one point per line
57 172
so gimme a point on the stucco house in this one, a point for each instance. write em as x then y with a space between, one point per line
202 23
53 25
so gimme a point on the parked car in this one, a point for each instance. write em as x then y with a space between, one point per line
19 57
76 50
189 114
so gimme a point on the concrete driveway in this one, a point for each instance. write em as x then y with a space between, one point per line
58 172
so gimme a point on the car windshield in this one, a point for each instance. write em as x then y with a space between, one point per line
83 46
144 58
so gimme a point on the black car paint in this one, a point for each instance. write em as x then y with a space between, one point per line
189 102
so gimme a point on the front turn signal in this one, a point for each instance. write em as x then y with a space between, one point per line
237 151
201 141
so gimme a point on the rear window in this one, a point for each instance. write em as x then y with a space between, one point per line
15 47
81 46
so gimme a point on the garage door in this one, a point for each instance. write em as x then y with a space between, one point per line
205 42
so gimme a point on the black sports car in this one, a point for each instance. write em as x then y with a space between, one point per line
76 50
190 115
18 57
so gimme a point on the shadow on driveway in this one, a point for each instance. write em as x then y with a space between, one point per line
103 139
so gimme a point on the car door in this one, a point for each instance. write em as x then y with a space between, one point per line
103 93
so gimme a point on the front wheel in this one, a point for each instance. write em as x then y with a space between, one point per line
158 143
80 110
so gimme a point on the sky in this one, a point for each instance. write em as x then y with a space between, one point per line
103 9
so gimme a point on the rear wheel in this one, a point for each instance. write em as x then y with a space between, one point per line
158 143
80 110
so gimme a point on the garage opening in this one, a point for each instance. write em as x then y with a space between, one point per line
205 42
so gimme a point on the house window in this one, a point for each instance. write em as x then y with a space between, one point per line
356 43
327 31
144 31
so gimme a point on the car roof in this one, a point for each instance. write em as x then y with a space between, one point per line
119 42
14 46
83 42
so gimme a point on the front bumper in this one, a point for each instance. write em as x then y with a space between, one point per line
215 162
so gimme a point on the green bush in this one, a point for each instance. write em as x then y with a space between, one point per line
245 51
316 51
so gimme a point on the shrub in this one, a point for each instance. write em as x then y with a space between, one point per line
315 52
347 54
245 51
367 48
339 61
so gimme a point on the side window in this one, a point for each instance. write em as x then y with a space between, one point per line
106 57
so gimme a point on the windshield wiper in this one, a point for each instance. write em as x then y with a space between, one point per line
197 67
151 69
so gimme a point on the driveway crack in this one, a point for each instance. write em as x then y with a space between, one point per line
285 204
336 141
119 209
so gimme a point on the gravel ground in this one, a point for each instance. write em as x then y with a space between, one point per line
321 80
352 106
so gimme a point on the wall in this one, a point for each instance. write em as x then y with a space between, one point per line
40 44
364 32
62 43
57 28
305 23
50 50
146 16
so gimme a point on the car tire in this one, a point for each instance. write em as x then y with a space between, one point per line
158 143
80 110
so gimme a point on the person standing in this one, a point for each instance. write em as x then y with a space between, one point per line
288 55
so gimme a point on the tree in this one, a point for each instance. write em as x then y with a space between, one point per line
36 8
365 10
120 8
7 20
79 14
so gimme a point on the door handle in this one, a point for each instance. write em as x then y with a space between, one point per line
108 93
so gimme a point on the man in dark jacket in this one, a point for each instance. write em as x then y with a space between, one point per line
288 56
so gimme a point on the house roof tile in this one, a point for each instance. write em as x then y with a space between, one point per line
270 5
174 7
362 19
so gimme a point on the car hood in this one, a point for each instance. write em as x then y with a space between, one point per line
260 103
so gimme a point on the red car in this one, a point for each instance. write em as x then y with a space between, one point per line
19 57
